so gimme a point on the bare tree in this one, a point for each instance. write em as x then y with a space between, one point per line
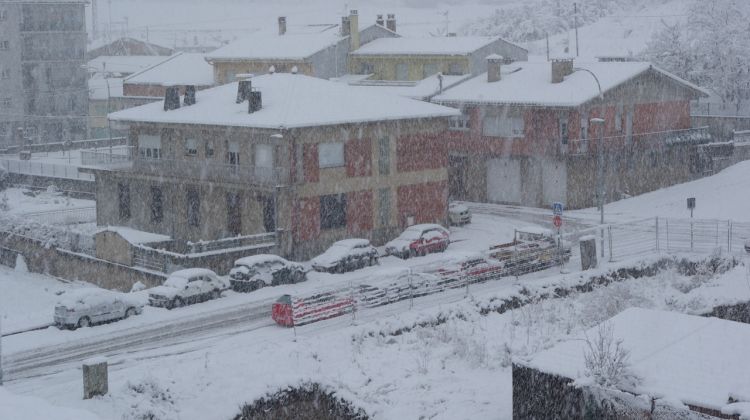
607 361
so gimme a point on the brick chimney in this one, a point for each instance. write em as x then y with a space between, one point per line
494 66
390 23
561 67
345 27
282 25
380 21
172 98
353 30
189 98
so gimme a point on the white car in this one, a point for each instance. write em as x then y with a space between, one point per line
458 214
346 255
185 287
89 306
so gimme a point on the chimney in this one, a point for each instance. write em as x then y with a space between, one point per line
390 23
561 67
294 70
255 102
172 98
494 66
282 25
244 87
345 28
380 21
353 30
189 98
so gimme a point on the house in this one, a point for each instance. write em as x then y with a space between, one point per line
415 58
526 134
122 65
319 51
685 366
423 89
42 49
313 160
125 46
179 69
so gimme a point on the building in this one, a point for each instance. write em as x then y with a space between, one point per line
317 160
179 69
319 51
423 89
125 46
122 65
414 58
687 367
526 136
42 82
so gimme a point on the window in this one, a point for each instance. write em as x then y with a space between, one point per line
157 205
384 211
4 45
564 133
193 201
6 103
429 69
402 71
5 74
366 68
3 15
584 128
234 213
618 119
499 126
269 214
233 153
149 146
455 69
384 155
209 148
123 200
191 147
330 155
332 211
459 123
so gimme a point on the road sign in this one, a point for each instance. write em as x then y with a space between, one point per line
557 221
557 209
691 203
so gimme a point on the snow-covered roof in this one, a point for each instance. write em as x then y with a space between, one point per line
180 68
125 64
422 89
529 83
136 236
290 46
98 87
351 243
444 45
289 101
692 359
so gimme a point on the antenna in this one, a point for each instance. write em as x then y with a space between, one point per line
575 17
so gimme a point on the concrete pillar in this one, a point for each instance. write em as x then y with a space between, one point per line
95 378
588 252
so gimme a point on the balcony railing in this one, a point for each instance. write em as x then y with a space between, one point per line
192 168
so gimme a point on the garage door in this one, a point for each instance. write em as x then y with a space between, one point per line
504 180
554 181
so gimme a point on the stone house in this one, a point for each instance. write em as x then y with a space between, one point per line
180 69
526 137
314 160
416 58
313 51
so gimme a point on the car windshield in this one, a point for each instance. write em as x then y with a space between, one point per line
411 234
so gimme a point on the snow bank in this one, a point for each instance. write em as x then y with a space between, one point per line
30 408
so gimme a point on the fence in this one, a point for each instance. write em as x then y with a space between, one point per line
52 170
118 156
263 239
63 217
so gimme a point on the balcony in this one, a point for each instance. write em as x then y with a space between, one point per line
192 168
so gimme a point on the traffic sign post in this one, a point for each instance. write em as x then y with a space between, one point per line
557 221
557 211
557 208
691 207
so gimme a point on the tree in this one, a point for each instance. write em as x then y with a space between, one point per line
607 361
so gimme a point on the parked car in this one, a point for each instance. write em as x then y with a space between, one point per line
86 307
470 268
185 287
419 240
458 214
252 273
747 246
346 255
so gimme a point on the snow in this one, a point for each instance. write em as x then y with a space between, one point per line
179 69
136 236
191 272
289 101
289 46
444 45
259 259
98 87
124 64
704 376
529 83
23 201
92 296
422 89
32 408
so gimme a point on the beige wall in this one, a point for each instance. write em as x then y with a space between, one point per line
111 246
384 67
224 71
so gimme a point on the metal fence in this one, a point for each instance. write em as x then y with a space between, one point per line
52 170
118 156
63 217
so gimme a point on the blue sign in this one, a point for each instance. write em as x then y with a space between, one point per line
557 209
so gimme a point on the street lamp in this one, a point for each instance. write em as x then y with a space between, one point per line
109 96
599 124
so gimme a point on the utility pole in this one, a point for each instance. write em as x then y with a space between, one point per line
575 17
599 122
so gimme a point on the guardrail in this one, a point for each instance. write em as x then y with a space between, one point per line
52 170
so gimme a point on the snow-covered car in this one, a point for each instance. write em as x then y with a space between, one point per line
346 255
252 273
458 214
89 306
186 287
747 246
419 240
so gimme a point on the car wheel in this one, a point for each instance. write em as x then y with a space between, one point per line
177 303
215 294
130 312
412 253
258 284
84 322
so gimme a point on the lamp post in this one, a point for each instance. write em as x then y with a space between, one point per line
599 124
